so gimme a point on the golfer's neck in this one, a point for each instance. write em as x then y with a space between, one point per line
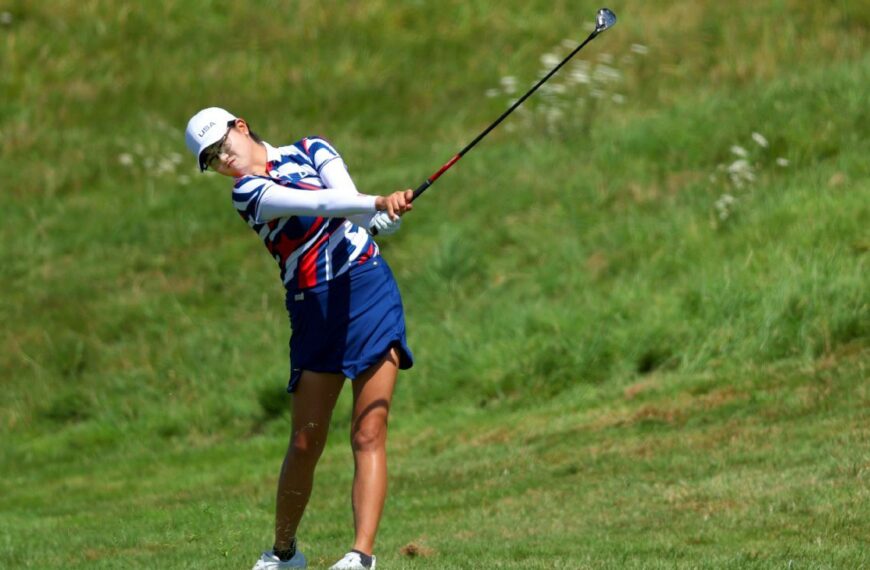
260 159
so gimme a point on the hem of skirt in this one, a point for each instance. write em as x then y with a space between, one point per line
406 361
296 374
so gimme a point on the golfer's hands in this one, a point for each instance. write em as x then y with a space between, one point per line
395 204
382 225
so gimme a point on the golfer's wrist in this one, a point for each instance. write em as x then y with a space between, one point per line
382 203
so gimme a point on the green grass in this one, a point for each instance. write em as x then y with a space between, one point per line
609 374
751 469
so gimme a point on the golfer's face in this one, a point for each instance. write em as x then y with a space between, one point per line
236 153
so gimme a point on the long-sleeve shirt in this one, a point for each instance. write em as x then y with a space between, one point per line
304 212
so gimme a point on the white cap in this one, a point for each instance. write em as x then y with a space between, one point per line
206 128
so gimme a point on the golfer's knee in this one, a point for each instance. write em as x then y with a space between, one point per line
369 436
307 445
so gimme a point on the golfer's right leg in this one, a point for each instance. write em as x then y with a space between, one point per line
312 405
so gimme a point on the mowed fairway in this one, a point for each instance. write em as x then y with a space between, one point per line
639 308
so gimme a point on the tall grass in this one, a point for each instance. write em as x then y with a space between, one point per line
549 261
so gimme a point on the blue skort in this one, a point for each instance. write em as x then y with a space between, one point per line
346 325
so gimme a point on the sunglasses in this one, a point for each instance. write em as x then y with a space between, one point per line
213 152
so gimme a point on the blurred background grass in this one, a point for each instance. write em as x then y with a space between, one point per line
606 237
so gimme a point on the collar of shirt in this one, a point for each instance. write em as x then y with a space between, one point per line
272 153
291 171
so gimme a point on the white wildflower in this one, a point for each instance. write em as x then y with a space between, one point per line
605 58
606 74
509 84
596 93
639 49
580 72
549 60
739 165
618 98
739 151
760 140
493 92
740 173
126 159
165 166
783 162
6 18
568 43
725 206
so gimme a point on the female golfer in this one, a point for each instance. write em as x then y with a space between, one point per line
345 311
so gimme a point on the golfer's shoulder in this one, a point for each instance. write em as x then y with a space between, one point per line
248 184
304 147
310 145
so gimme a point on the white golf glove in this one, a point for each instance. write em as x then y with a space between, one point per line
384 225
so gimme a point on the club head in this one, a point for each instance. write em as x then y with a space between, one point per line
605 19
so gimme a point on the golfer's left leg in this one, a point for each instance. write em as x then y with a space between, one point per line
372 395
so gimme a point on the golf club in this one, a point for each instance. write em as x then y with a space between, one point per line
604 19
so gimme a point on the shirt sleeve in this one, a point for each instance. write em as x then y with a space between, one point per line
265 200
320 151
335 175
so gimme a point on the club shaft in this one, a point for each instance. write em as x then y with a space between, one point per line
429 181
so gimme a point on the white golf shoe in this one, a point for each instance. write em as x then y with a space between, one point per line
352 561
268 561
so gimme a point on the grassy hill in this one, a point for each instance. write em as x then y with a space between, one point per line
639 308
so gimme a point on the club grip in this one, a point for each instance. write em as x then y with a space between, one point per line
420 189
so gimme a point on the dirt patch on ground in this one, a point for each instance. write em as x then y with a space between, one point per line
416 550
656 414
640 387
717 398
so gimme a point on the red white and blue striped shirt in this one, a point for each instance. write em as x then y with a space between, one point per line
309 249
